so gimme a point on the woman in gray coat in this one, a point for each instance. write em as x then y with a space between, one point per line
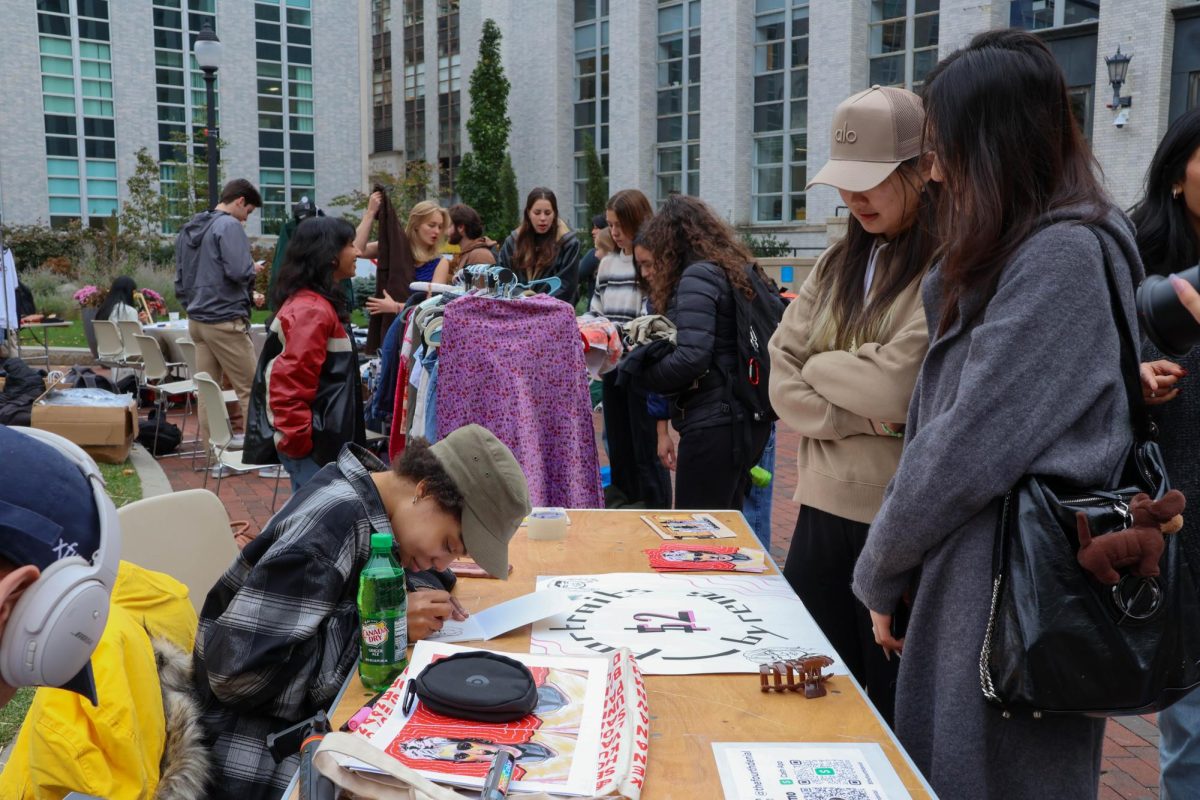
1022 376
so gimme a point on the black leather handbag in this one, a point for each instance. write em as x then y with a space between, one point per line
1057 641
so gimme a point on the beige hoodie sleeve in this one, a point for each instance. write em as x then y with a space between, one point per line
796 402
876 381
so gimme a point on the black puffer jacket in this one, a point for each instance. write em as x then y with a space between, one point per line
705 351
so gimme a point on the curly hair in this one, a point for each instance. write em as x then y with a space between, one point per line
420 465
686 231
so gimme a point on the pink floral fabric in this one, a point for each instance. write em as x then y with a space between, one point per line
516 367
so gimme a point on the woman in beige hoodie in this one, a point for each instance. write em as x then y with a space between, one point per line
844 361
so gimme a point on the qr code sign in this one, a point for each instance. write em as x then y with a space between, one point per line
830 793
834 772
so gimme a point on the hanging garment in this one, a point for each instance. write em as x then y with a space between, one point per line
10 317
516 367
394 270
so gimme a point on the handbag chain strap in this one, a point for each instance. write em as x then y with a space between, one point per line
1142 429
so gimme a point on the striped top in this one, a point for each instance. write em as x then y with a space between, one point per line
617 296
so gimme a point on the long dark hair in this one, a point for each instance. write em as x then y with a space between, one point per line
121 291
1165 236
1006 142
310 260
535 252
842 315
683 232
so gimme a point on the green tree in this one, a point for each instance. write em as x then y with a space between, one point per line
143 214
597 181
510 201
186 176
480 180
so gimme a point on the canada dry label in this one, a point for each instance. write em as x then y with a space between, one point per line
383 638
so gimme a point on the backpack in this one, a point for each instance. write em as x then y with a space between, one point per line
159 436
86 378
757 320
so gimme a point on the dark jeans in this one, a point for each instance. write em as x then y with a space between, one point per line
707 476
820 565
633 447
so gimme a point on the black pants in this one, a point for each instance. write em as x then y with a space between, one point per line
820 566
707 476
633 446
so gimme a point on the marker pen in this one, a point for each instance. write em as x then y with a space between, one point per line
498 777
361 715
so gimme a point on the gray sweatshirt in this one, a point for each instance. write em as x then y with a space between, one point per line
214 271
1031 384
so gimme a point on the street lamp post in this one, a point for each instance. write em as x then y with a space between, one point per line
207 51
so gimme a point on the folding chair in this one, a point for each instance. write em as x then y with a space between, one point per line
220 433
110 350
184 534
129 329
187 349
158 372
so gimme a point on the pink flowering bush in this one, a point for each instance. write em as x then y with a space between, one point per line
90 296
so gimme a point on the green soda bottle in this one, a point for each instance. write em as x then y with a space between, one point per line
383 614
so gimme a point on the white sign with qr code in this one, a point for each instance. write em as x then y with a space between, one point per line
806 771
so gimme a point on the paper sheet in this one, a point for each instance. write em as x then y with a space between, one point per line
502 618
689 624
806 771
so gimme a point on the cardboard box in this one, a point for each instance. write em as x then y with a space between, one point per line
105 432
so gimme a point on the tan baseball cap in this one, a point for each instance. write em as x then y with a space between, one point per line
873 132
496 497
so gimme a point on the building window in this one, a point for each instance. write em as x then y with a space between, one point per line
903 42
591 95
780 110
1193 91
381 76
286 158
414 80
1081 99
77 102
449 97
677 158
182 101
1038 14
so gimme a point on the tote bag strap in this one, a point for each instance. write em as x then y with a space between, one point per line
412 784
1139 418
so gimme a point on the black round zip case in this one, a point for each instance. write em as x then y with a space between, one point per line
478 685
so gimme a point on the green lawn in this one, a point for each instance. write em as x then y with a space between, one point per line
73 336
123 489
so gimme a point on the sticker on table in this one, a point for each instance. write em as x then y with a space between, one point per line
806 771
682 624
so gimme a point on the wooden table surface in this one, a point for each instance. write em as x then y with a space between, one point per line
687 712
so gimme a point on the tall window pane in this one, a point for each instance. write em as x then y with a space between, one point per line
678 98
591 96
449 98
780 111
902 42
381 76
414 80
283 35
78 124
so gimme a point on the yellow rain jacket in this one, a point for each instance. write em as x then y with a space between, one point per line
113 750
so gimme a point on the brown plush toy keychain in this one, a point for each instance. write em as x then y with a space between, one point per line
1140 546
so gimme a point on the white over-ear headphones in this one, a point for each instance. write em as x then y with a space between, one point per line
56 624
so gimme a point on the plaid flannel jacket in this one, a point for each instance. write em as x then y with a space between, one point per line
279 632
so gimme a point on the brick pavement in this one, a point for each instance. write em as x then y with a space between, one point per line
1130 764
